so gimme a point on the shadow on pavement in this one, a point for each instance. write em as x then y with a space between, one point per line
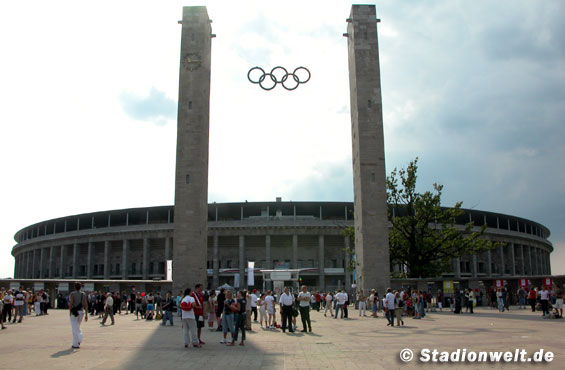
65 352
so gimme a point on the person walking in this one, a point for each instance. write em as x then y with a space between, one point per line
399 305
270 302
329 298
8 304
286 302
241 316
304 307
77 311
254 300
19 304
230 307
168 309
263 312
544 300
390 306
199 310
189 319
362 303
108 309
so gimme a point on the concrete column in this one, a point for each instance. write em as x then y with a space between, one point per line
347 245
75 260
167 248
51 262
269 262
457 271
512 260
125 247
145 271
89 261
294 251
530 257
474 265
106 260
33 265
268 252
522 263
62 261
489 263
548 264
321 262
502 260
242 278
216 262
41 263
535 268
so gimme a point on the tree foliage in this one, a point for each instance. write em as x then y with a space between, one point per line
424 236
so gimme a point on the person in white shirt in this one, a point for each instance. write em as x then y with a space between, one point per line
270 302
362 302
286 301
390 301
108 309
304 300
19 302
329 298
254 300
544 300
341 298
188 319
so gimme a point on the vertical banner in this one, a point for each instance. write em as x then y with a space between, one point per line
499 284
236 281
448 286
523 282
251 273
548 282
169 270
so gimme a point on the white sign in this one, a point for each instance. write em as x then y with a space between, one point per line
38 286
169 270
251 273
280 275
63 287
14 285
88 287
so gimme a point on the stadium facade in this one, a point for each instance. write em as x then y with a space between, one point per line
135 244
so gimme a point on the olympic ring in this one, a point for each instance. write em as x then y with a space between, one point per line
278 80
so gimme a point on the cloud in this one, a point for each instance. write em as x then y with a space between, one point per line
156 107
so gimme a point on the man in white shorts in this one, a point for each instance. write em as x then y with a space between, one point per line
559 299
329 299
270 309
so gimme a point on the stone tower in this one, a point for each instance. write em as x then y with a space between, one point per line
369 175
191 183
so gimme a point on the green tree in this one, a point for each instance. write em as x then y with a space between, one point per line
424 236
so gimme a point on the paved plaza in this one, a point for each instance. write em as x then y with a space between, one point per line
355 343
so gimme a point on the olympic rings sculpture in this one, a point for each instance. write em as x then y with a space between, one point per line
279 78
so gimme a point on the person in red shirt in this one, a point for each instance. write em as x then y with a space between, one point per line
199 309
532 295
318 298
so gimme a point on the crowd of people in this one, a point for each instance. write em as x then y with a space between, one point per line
18 303
233 312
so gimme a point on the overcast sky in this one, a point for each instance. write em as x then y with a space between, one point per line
88 95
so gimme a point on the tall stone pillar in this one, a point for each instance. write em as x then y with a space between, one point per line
535 269
191 183
89 261
321 262
530 257
75 260
294 251
242 264
41 263
474 265
145 270
106 260
62 261
347 245
51 262
369 174
216 262
125 248
457 272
